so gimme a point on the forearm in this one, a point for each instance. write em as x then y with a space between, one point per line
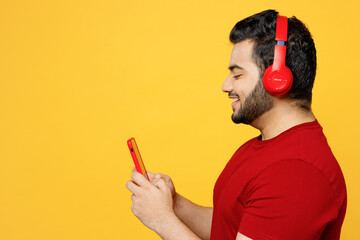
196 217
174 229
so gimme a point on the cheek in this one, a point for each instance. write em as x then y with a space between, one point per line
249 88
241 89
239 86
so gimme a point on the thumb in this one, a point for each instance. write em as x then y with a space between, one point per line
161 184
150 175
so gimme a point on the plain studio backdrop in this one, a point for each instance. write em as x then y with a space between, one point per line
78 78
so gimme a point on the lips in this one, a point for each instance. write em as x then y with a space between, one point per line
235 99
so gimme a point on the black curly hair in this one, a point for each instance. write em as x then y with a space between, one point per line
300 52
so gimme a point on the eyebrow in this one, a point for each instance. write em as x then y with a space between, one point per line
232 67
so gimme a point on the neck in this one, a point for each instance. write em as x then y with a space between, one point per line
281 117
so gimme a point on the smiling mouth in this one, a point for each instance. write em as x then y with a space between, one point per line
234 100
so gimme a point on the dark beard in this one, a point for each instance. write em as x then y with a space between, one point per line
256 104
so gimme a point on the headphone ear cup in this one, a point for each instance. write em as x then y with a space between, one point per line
277 82
266 81
266 76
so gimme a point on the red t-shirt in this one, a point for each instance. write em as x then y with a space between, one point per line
289 187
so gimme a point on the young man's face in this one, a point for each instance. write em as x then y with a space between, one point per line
250 100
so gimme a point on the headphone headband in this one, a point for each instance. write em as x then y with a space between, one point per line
281 37
281 28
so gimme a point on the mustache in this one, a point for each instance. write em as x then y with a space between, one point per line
233 95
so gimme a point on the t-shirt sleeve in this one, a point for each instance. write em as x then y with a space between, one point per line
290 199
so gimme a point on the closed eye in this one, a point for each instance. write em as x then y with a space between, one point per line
237 76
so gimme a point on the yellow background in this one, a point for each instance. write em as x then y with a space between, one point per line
78 78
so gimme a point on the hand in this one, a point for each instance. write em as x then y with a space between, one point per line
155 177
152 201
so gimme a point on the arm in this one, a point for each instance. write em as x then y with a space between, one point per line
196 217
174 229
153 205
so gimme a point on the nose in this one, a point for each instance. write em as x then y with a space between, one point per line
227 85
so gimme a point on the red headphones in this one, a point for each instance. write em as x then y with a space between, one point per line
278 78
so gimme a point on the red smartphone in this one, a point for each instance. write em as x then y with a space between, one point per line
135 153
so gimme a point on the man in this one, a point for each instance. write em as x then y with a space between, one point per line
284 184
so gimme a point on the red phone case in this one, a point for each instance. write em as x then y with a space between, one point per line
135 153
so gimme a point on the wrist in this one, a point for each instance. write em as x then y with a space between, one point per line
177 202
167 225
174 229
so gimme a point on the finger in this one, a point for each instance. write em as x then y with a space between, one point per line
161 184
163 176
150 175
132 187
133 197
140 180
155 180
